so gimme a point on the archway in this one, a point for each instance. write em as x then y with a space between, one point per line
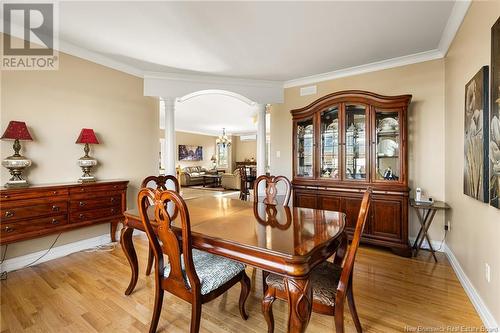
208 112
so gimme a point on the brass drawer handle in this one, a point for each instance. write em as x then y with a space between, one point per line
54 221
9 213
8 229
112 210
81 203
54 192
82 216
112 199
55 208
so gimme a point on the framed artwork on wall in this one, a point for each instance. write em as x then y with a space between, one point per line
494 130
476 136
190 153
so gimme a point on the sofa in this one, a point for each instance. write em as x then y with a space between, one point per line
231 181
192 175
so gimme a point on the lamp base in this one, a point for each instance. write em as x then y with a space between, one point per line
86 179
16 165
86 163
17 183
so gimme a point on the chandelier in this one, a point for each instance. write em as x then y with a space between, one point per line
223 139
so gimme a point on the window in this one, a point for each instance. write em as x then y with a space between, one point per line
222 156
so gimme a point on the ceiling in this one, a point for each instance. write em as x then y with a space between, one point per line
255 40
209 113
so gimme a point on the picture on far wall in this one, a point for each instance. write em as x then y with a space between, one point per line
190 153
476 136
494 146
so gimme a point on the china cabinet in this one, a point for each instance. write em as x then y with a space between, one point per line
345 142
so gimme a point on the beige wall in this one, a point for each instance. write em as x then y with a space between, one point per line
475 227
206 141
245 149
425 81
56 105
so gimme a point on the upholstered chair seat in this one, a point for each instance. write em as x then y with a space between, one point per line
213 271
325 279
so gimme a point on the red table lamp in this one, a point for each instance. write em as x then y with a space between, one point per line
16 130
87 136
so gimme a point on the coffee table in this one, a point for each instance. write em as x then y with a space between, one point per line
216 180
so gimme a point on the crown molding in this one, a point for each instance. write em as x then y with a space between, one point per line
79 52
371 67
455 19
98 58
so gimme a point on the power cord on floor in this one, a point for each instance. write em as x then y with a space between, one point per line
110 247
442 241
3 275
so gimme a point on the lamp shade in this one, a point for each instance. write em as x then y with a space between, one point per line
17 130
87 135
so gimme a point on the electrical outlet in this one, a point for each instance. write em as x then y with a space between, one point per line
487 272
278 154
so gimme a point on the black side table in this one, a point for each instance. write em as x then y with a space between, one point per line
425 214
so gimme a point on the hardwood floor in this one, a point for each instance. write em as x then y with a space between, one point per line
83 292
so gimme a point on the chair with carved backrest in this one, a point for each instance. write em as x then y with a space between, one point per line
271 189
244 190
331 282
160 183
270 199
195 276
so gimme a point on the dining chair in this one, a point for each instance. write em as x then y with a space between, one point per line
271 189
270 200
331 282
160 183
244 188
194 276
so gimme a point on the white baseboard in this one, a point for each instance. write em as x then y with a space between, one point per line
16 263
435 244
484 313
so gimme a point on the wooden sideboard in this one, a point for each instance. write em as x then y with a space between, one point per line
41 210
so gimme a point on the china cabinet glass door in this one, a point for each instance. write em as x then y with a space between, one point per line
355 142
387 145
329 149
305 148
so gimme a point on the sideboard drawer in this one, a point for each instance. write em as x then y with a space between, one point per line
82 216
21 212
16 194
86 204
93 195
23 227
107 187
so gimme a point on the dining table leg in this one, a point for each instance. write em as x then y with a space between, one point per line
299 293
128 248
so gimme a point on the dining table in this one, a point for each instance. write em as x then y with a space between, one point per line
289 241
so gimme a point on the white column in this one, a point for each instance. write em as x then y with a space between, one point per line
261 139
169 157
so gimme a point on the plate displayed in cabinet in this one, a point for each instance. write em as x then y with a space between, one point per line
388 124
387 147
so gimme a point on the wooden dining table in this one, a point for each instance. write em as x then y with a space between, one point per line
289 241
